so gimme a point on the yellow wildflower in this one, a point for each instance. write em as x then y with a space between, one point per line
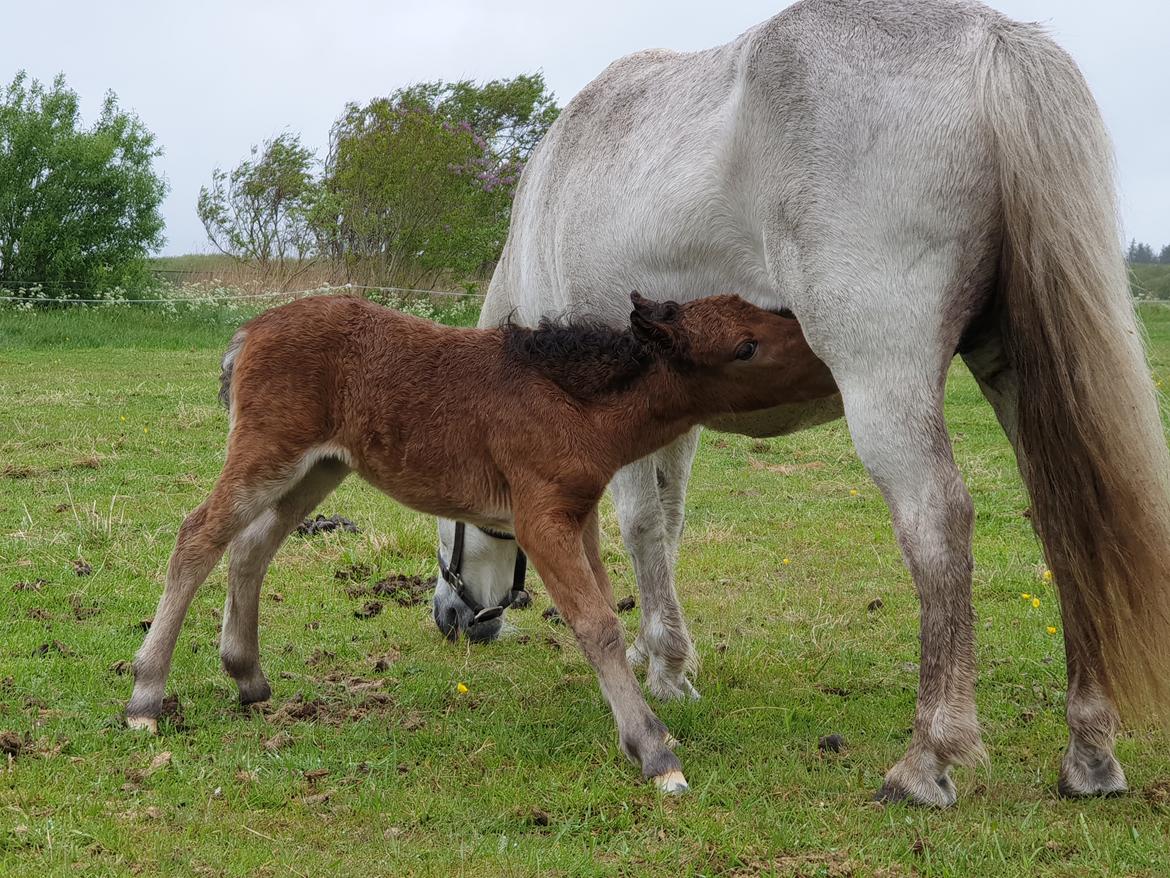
1036 603
1051 629
853 492
1047 576
123 419
786 561
461 689
146 429
1024 595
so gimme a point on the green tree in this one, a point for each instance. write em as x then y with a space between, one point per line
79 208
261 211
419 184
1139 253
1164 256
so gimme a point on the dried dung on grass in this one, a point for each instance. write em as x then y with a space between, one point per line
321 525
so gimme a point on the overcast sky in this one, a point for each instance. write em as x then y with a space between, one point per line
210 78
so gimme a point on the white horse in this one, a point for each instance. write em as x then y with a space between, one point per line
912 178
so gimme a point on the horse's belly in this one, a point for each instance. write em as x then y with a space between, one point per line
781 419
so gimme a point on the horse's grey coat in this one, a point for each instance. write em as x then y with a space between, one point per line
834 160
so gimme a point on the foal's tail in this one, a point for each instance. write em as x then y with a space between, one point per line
225 368
1091 447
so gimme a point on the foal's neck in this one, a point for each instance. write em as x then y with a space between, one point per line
655 409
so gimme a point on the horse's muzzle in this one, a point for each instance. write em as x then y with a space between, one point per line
454 618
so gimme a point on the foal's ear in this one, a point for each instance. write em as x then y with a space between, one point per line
661 312
651 332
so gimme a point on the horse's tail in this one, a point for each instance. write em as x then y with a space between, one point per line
1089 436
226 366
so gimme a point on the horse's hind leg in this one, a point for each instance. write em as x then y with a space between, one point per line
895 417
249 555
242 493
649 495
1089 766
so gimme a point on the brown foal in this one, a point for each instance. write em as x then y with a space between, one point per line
513 429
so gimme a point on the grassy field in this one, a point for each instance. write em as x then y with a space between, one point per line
110 433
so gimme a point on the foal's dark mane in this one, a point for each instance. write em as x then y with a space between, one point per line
584 356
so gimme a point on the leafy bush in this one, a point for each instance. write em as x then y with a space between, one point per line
79 208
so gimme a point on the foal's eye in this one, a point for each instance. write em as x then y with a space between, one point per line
746 351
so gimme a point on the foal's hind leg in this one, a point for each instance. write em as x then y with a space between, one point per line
1089 766
249 555
242 493
649 495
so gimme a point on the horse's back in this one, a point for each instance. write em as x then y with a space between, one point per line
668 169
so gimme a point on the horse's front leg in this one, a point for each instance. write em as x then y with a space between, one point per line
555 544
649 495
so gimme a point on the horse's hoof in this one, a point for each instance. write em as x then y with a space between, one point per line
933 792
1082 778
672 783
671 687
142 724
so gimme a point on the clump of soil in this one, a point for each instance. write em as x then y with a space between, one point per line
55 646
553 615
321 524
831 744
82 568
369 610
11 743
626 604
353 573
34 585
172 712
406 591
80 611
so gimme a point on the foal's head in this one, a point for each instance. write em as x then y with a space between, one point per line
732 352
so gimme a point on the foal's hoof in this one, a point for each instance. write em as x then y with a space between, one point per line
902 785
672 783
142 724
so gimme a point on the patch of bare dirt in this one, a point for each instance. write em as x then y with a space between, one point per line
833 864
82 567
33 585
349 698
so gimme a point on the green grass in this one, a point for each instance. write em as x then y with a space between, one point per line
110 433
1151 281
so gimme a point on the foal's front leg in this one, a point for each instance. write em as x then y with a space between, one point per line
555 546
